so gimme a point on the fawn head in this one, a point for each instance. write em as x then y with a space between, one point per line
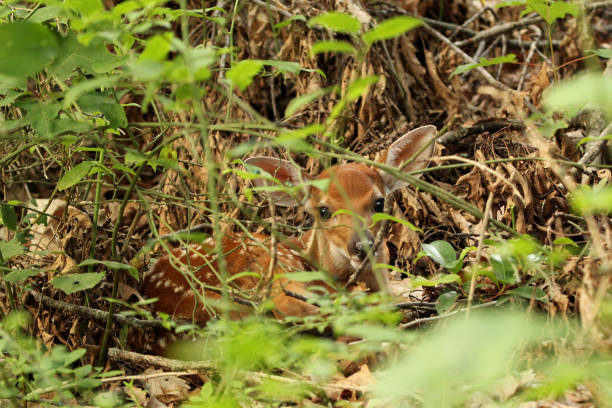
343 235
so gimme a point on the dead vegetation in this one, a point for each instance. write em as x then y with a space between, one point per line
490 156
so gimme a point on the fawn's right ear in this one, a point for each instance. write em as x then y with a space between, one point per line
282 170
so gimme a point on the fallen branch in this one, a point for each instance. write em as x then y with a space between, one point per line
417 322
95 314
115 354
503 28
490 127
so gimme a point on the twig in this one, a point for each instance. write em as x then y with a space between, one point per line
148 376
467 58
444 316
485 221
532 49
503 28
491 127
90 313
415 305
116 354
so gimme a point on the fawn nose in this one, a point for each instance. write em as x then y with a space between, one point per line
361 245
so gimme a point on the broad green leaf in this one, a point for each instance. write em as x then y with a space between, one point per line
584 90
300 101
111 265
551 10
49 12
26 48
335 21
382 216
241 74
91 58
503 269
305 276
9 249
87 86
450 278
483 62
97 102
74 282
588 200
74 175
391 28
283 66
332 46
296 17
9 218
602 52
442 253
360 86
529 292
21 275
445 301
565 241
157 47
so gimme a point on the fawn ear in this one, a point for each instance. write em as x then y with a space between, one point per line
285 172
407 148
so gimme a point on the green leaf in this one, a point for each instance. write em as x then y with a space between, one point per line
602 52
296 17
529 292
382 216
503 269
391 28
74 282
483 62
111 265
241 75
588 200
21 275
283 66
565 241
87 86
445 301
305 276
332 46
551 10
300 101
157 47
585 90
97 102
92 58
442 253
9 218
10 249
335 21
26 48
47 13
360 86
450 278
74 175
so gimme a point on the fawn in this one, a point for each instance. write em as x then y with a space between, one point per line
187 279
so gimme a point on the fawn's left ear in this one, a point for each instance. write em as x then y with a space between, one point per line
407 148
282 170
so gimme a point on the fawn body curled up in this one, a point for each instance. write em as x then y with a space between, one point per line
186 280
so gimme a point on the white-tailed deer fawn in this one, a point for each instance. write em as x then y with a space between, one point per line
187 279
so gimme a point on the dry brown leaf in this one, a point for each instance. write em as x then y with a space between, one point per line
166 387
358 382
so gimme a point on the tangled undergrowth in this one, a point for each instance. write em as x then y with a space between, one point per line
123 126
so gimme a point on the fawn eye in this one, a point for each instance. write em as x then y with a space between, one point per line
324 212
379 205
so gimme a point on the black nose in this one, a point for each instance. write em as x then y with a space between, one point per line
361 247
